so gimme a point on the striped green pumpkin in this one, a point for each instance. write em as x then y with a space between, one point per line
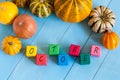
41 8
21 3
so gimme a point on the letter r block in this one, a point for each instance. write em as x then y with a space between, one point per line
95 50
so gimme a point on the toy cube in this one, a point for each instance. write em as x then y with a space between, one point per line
63 59
41 59
84 58
74 50
31 51
95 50
53 49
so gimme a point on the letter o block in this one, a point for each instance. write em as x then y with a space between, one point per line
31 51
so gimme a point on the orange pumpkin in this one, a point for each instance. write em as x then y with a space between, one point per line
110 40
11 45
24 26
72 10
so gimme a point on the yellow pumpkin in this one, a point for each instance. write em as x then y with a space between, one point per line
11 45
8 11
110 40
72 10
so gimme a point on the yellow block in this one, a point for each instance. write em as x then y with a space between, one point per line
31 51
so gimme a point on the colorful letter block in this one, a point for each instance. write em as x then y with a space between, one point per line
53 49
95 50
74 50
63 59
84 58
41 59
31 51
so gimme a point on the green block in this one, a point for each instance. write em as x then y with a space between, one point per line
53 49
84 58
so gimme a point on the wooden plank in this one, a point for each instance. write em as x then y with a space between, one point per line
11 62
109 69
7 62
62 34
52 31
86 72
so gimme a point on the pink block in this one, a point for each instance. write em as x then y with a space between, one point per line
95 50
74 50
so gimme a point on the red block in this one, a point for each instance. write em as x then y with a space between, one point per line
41 59
74 50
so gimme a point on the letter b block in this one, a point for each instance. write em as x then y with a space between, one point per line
31 51
74 50
41 59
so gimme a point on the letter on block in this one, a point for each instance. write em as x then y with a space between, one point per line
63 59
41 59
31 51
74 50
95 50
84 58
53 49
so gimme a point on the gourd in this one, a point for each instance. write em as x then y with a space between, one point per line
21 3
72 10
11 45
41 8
110 40
102 19
24 26
8 11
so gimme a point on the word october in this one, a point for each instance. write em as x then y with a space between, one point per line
54 50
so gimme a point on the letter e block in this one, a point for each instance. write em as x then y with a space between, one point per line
84 58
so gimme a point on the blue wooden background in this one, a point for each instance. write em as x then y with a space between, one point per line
54 30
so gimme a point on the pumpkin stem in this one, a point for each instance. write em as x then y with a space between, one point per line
41 1
10 43
109 31
20 24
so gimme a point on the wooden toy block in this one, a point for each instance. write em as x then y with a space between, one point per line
41 59
53 49
63 59
84 58
95 50
74 50
31 51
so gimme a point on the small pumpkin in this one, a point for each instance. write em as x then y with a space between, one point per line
110 40
41 8
24 26
102 19
21 3
72 10
8 11
11 45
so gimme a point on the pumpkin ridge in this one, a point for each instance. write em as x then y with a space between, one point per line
114 35
62 6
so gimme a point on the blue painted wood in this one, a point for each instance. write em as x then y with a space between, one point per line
53 30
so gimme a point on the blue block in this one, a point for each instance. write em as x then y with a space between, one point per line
63 59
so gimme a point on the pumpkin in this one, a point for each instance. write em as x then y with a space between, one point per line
72 10
24 26
102 19
41 8
11 45
21 3
110 40
7 13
